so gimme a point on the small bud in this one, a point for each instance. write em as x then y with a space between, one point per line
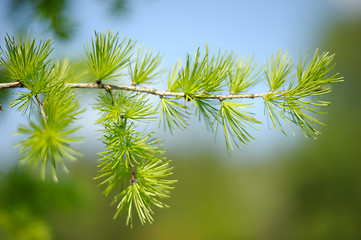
133 180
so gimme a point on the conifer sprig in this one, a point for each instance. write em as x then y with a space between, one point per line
25 58
145 67
133 159
235 121
211 86
242 76
297 103
172 114
50 133
108 55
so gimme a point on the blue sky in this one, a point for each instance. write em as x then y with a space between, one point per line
175 28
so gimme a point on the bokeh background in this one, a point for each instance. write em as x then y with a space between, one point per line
277 188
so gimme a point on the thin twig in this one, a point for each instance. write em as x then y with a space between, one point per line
41 106
134 177
148 90
10 85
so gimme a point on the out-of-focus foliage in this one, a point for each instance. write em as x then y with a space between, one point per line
325 179
3 78
53 15
27 204
212 201
50 14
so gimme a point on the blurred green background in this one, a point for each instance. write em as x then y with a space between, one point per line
278 188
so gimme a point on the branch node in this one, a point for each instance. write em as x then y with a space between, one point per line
107 88
187 98
20 83
133 180
134 177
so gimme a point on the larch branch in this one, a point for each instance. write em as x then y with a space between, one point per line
148 90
